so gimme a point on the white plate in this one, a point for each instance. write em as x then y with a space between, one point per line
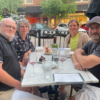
71 52
47 53
53 64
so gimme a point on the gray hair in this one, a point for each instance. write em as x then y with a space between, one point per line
73 20
23 21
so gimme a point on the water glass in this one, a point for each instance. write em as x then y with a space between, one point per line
47 68
67 51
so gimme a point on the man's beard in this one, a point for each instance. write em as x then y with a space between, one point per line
9 37
96 39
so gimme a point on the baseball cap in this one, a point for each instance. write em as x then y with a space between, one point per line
95 19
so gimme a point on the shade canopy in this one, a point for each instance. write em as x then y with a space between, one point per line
94 9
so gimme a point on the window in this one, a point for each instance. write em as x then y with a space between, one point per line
64 25
28 1
61 25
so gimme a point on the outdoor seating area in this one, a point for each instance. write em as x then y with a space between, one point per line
50 50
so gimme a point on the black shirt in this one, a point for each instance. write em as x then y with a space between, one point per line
92 48
9 60
22 46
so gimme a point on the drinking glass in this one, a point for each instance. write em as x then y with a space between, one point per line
47 68
32 61
62 57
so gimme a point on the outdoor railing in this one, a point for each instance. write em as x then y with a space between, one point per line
41 35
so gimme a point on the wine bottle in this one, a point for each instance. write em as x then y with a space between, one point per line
54 46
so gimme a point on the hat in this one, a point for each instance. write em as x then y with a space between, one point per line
95 19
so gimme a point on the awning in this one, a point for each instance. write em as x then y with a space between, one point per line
37 9
31 9
94 9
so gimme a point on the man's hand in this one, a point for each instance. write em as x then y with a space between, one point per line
27 89
78 66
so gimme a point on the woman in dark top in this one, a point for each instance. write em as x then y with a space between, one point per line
21 41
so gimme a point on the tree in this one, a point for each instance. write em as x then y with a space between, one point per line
58 8
9 6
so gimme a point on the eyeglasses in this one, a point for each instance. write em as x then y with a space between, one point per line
8 26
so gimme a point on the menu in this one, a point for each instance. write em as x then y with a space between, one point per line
68 78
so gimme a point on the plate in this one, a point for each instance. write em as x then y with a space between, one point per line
47 53
39 62
53 64
71 52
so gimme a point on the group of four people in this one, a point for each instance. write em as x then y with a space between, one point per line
15 53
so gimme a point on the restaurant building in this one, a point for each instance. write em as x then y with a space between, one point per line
33 13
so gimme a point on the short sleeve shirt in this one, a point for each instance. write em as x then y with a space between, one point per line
92 48
9 60
22 46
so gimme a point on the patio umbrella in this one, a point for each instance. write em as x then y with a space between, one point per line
94 9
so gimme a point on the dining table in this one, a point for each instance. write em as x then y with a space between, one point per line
40 80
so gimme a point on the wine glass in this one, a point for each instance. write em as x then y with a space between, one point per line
32 61
62 57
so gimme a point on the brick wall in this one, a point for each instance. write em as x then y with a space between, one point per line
37 2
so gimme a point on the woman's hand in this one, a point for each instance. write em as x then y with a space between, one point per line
24 60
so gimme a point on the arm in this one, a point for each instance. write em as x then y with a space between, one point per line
24 60
10 81
86 61
20 63
22 72
31 49
76 64
26 54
